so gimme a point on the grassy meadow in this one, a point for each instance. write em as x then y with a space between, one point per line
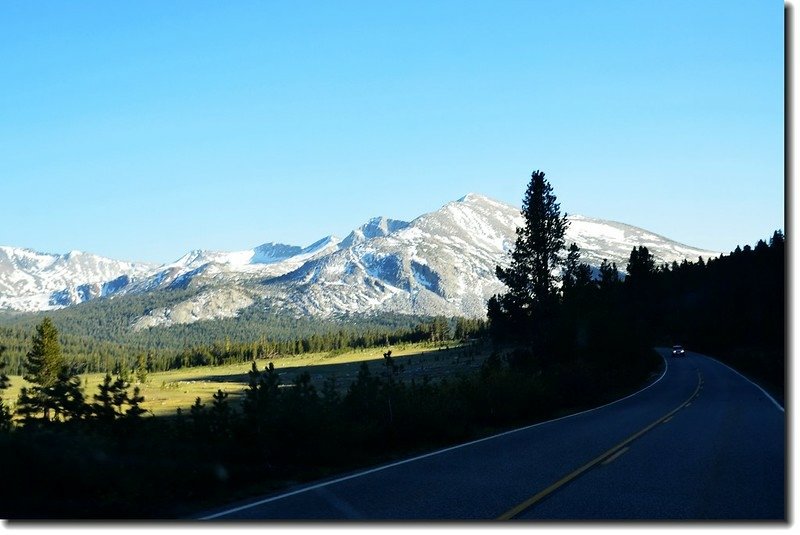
165 392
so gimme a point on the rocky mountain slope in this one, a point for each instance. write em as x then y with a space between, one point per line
442 262
31 281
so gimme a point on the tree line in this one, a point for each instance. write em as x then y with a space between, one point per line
88 355
104 327
557 308
732 307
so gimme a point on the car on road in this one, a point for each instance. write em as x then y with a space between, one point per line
677 351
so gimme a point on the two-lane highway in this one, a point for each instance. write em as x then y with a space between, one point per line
720 457
701 442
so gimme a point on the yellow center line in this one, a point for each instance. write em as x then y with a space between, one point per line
608 455
614 457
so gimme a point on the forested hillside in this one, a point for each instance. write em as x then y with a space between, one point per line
93 340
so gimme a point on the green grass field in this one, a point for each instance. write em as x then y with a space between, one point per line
165 392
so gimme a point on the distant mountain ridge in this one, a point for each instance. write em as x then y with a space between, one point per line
30 280
442 262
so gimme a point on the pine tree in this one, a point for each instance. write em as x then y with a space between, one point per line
440 330
609 275
44 361
43 366
199 416
641 266
6 415
141 368
103 406
67 396
119 395
777 239
4 381
532 277
135 409
577 275
221 415
113 395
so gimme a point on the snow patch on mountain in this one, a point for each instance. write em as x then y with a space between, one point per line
31 281
601 239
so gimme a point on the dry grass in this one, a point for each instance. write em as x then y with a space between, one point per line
165 392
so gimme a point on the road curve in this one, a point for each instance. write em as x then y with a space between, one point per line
701 442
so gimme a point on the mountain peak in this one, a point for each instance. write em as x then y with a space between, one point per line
374 228
325 243
480 201
190 257
473 197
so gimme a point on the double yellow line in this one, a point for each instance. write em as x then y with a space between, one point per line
612 452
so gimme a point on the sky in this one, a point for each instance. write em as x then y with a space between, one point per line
140 130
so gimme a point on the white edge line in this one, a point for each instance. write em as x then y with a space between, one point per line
778 405
431 454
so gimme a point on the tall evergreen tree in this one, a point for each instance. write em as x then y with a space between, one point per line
67 396
199 417
120 395
44 361
141 368
103 406
777 240
44 367
5 413
533 276
641 266
135 404
577 275
609 275
221 416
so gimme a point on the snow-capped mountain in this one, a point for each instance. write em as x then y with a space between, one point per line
225 283
442 262
31 281
201 267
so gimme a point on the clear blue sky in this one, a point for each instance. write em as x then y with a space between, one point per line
140 130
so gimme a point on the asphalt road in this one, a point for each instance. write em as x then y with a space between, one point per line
700 443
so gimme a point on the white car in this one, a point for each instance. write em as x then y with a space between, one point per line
677 351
